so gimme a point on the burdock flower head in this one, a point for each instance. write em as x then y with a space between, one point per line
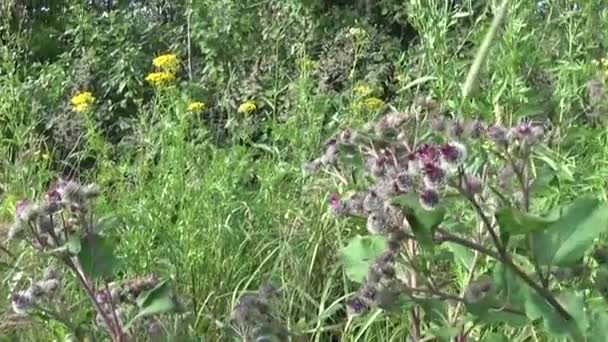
429 198
453 154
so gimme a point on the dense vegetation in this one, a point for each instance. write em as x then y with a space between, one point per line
221 138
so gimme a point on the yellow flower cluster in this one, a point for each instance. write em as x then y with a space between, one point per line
305 64
371 103
196 106
81 102
167 62
167 66
357 32
247 107
363 90
160 78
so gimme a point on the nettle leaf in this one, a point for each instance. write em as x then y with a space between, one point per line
446 333
514 221
565 241
97 257
423 222
359 254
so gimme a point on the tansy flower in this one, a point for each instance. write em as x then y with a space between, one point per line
167 62
305 64
82 101
371 103
247 107
363 90
356 32
196 106
160 78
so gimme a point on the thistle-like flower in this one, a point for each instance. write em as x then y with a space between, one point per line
429 198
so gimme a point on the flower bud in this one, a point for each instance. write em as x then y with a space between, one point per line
337 205
21 302
356 306
472 185
376 223
372 202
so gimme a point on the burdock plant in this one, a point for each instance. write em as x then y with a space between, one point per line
426 185
63 231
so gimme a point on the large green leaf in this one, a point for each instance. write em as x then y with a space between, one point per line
359 254
155 301
538 308
96 256
598 328
462 255
514 221
566 240
423 221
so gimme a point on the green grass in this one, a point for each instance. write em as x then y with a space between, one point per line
220 220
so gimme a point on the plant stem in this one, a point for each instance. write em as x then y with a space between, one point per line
506 259
87 288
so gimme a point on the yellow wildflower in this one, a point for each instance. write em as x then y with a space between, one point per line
356 32
160 78
247 107
167 62
372 103
196 106
82 101
363 90
305 64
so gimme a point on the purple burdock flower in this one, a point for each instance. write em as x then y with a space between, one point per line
428 154
429 198
356 306
526 132
434 175
476 128
21 302
453 154
21 209
338 208
368 293
499 135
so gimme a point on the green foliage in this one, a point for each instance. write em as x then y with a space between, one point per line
566 240
359 254
97 256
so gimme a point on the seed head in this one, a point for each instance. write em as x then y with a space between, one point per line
499 135
376 223
456 130
372 202
472 185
